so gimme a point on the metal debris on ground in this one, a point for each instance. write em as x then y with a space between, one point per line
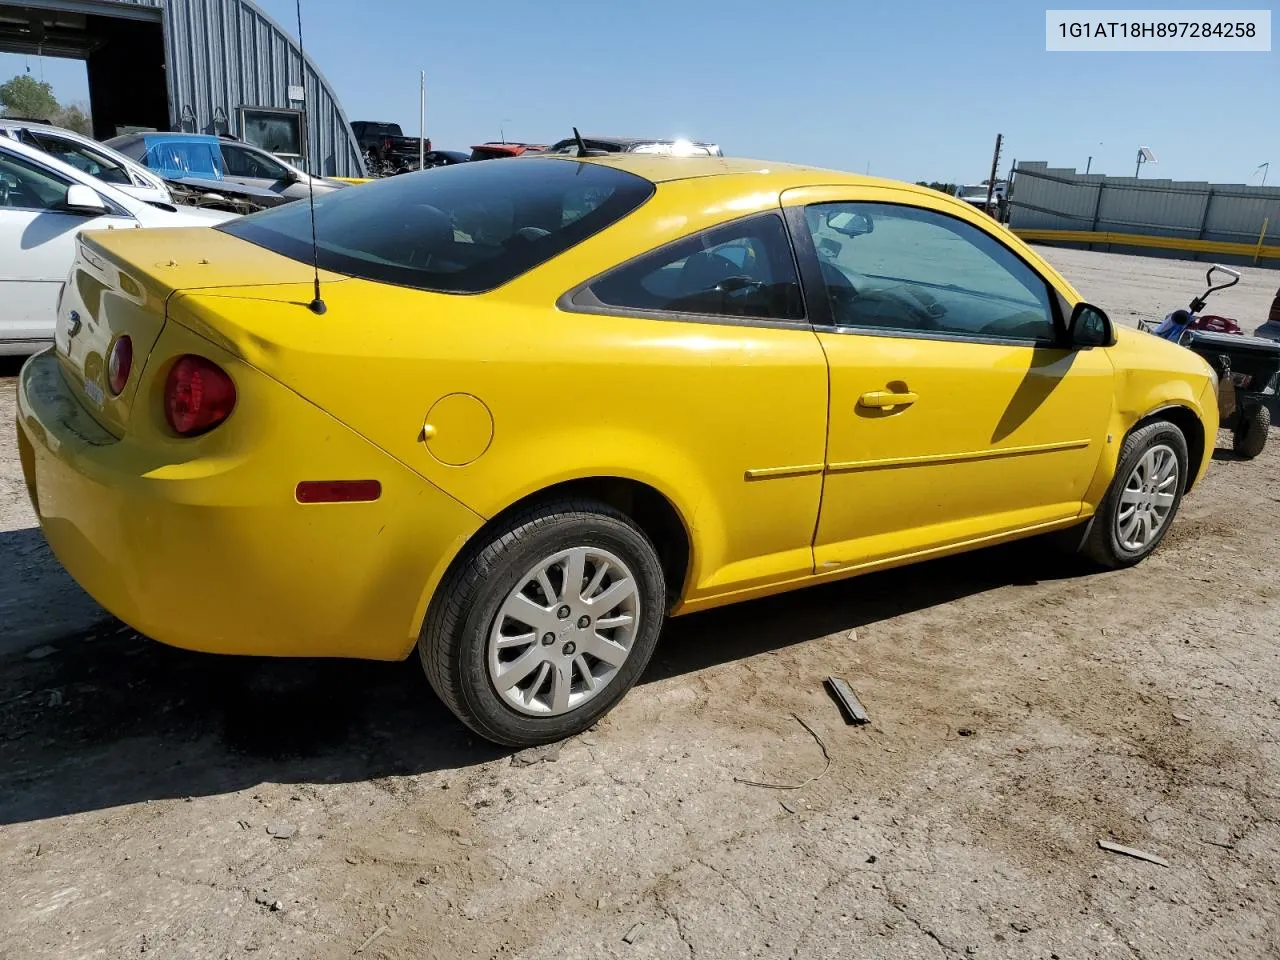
850 706
630 935
787 807
795 786
372 937
1133 852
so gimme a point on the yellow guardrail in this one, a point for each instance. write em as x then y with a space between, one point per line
352 179
1257 250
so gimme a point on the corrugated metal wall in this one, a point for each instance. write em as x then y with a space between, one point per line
221 55
1051 198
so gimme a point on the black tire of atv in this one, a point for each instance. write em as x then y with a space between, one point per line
452 643
1101 544
1250 436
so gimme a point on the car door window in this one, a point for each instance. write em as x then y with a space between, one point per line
83 158
741 269
26 186
909 270
240 162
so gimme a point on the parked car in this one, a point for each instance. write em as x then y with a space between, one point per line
173 155
203 160
385 145
252 166
88 155
444 158
976 195
45 203
631 388
497 151
674 147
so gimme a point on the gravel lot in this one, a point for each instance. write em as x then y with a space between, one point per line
157 803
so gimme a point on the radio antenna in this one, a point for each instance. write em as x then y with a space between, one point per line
316 306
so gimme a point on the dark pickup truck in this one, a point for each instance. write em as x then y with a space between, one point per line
386 149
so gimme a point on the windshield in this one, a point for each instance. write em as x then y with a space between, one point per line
88 161
458 229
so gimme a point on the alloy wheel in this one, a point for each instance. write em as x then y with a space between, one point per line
564 631
1147 499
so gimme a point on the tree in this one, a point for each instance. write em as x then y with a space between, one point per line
74 117
24 96
948 188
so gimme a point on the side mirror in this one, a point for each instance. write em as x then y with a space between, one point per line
1090 327
291 176
82 199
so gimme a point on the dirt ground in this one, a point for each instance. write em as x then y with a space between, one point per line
156 803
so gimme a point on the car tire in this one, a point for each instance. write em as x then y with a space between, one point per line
1250 435
474 641
1109 539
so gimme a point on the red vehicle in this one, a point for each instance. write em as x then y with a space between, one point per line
494 150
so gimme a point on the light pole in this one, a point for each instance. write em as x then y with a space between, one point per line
1144 156
1089 164
1265 168
422 120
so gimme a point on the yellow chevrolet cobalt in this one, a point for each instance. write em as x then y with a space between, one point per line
539 405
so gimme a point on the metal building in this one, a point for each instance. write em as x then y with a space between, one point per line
205 66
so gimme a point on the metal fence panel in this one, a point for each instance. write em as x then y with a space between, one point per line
1049 198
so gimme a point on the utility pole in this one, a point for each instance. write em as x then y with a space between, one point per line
422 120
995 162
1087 166
1265 168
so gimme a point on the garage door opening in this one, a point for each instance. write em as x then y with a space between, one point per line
122 49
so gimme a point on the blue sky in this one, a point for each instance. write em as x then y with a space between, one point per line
916 89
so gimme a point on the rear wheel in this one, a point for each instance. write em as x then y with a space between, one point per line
1143 498
545 625
1250 434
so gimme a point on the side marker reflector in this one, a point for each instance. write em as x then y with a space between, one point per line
338 491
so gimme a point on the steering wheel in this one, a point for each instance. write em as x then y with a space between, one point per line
846 300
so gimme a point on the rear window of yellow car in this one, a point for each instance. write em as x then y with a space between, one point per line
465 228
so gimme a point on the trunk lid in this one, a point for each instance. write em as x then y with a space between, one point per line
119 285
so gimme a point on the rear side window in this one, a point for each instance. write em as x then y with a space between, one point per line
465 228
740 269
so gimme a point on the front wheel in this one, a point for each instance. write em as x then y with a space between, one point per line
1143 498
546 623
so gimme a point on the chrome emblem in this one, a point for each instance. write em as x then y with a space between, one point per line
74 319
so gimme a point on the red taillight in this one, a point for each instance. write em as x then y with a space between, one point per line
198 395
337 491
119 364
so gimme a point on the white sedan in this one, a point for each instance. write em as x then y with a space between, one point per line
44 204
89 156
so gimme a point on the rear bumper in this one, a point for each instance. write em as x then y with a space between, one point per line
214 553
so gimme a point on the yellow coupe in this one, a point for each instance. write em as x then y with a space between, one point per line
524 410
